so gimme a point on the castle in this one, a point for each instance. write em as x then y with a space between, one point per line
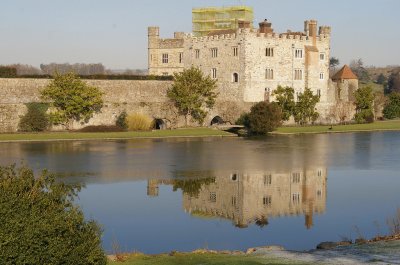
250 63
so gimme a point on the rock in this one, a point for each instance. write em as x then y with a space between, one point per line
327 245
345 243
360 241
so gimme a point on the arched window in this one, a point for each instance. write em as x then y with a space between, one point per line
235 78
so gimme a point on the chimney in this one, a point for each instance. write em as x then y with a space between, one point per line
266 27
313 31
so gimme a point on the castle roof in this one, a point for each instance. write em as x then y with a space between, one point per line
344 73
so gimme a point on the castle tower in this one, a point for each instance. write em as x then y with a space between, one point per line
153 34
346 84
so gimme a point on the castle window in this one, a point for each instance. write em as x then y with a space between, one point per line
269 74
298 53
321 76
267 200
214 52
298 74
295 177
267 180
235 78
269 52
213 197
214 73
180 57
165 73
197 53
319 92
165 58
235 51
296 198
319 194
319 173
322 56
233 200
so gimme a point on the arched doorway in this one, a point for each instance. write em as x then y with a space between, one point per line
217 120
160 124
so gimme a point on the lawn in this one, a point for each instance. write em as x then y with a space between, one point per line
196 259
376 126
53 136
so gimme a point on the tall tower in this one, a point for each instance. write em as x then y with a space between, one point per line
153 35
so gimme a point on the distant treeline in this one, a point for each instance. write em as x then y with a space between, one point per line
85 71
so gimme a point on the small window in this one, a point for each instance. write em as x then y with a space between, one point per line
214 73
197 53
319 173
267 200
213 197
267 180
269 74
269 52
322 56
298 53
214 52
234 177
181 57
165 58
235 51
298 74
319 95
165 73
321 76
267 90
319 194
295 177
296 198
235 78
233 200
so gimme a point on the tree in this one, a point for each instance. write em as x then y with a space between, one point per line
72 99
394 82
379 103
392 108
192 94
357 66
305 110
36 119
381 79
264 117
333 62
364 100
284 97
342 111
40 224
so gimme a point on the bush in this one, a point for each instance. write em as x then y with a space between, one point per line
264 117
139 122
39 224
8 71
243 120
364 116
36 119
121 121
392 108
101 128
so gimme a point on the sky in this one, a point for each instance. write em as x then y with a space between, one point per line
114 32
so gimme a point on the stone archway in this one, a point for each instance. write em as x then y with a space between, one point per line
217 120
160 124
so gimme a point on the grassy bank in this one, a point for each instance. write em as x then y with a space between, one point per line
54 136
376 126
195 259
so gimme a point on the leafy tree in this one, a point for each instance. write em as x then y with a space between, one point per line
192 93
72 99
8 71
364 100
394 82
392 108
264 117
121 121
381 79
36 119
305 110
192 187
333 62
40 224
284 97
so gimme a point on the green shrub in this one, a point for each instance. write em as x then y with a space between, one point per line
139 122
392 108
243 120
264 117
8 71
121 121
101 128
39 223
36 119
364 116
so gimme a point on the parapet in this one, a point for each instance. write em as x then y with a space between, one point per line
324 30
153 31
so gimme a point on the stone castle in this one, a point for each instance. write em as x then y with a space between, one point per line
250 63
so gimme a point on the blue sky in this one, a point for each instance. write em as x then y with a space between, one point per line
115 32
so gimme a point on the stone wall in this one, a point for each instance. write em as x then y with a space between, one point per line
133 96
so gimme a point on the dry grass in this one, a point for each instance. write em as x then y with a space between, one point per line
139 122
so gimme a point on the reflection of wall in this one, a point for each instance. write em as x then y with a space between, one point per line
247 198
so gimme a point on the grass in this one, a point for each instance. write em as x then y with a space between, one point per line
54 136
376 126
196 259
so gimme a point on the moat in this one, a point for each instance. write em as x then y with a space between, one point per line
182 194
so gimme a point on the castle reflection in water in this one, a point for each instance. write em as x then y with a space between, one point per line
246 198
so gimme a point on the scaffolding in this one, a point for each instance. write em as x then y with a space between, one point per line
206 20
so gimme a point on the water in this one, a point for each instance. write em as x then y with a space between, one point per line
181 194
